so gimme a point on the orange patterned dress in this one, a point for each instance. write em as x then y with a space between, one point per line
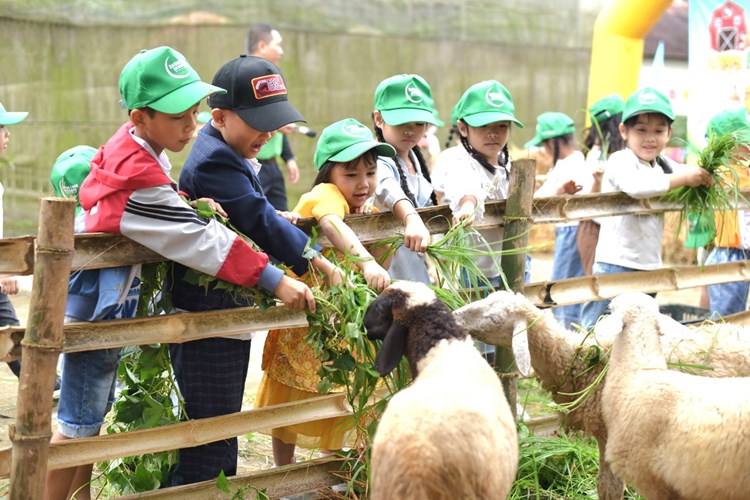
289 363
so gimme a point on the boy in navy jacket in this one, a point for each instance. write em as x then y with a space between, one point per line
211 373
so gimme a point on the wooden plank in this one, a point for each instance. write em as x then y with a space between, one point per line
308 476
17 256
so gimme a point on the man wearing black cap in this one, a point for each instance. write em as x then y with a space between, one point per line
211 373
263 40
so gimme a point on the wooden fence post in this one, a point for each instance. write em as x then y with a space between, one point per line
41 346
518 222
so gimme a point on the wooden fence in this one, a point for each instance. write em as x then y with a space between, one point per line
56 251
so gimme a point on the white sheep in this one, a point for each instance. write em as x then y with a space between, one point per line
566 362
450 434
672 435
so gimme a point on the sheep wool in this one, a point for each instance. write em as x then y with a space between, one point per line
672 435
450 434
561 359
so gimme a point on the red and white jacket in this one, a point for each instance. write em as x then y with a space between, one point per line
130 192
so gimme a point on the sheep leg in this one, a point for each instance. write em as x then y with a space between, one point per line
610 487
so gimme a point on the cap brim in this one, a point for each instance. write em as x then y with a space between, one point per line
535 142
271 116
395 117
185 97
357 150
482 119
13 117
645 111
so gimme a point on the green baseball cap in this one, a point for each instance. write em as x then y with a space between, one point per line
647 100
163 80
11 117
486 102
69 171
729 120
551 124
606 107
346 140
405 99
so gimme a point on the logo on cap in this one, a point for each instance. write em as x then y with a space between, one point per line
355 130
413 94
494 98
268 86
647 98
178 68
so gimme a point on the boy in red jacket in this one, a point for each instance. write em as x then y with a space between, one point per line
129 191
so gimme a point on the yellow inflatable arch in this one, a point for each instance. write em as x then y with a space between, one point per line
617 47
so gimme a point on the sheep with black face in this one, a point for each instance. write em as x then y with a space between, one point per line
450 434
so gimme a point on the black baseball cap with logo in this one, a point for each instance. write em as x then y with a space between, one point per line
256 91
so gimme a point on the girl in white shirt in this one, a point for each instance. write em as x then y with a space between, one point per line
630 243
555 132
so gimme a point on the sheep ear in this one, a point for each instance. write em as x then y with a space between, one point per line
520 347
394 346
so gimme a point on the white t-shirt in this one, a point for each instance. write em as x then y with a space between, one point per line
572 167
633 241
465 176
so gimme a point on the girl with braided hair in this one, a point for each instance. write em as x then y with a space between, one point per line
477 171
555 133
403 110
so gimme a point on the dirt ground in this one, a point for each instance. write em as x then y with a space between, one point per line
255 449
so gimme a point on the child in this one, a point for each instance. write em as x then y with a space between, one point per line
629 243
222 166
732 228
403 110
555 132
606 115
8 284
129 192
479 169
346 157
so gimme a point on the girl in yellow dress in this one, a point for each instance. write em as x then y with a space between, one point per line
346 158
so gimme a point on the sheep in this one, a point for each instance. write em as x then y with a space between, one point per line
450 434
672 435
565 361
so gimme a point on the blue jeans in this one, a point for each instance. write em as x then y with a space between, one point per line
566 263
592 311
727 298
87 391
8 317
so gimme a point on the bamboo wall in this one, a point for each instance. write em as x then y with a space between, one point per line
56 251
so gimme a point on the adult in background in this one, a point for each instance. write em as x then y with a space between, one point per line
263 40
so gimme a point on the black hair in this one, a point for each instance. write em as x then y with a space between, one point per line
151 112
556 141
256 34
324 174
453 131
608 131
502 157
402 175
662 162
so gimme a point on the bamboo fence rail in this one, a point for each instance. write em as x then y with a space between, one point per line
57 252
184 327
43 340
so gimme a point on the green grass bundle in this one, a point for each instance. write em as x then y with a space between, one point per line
718 157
